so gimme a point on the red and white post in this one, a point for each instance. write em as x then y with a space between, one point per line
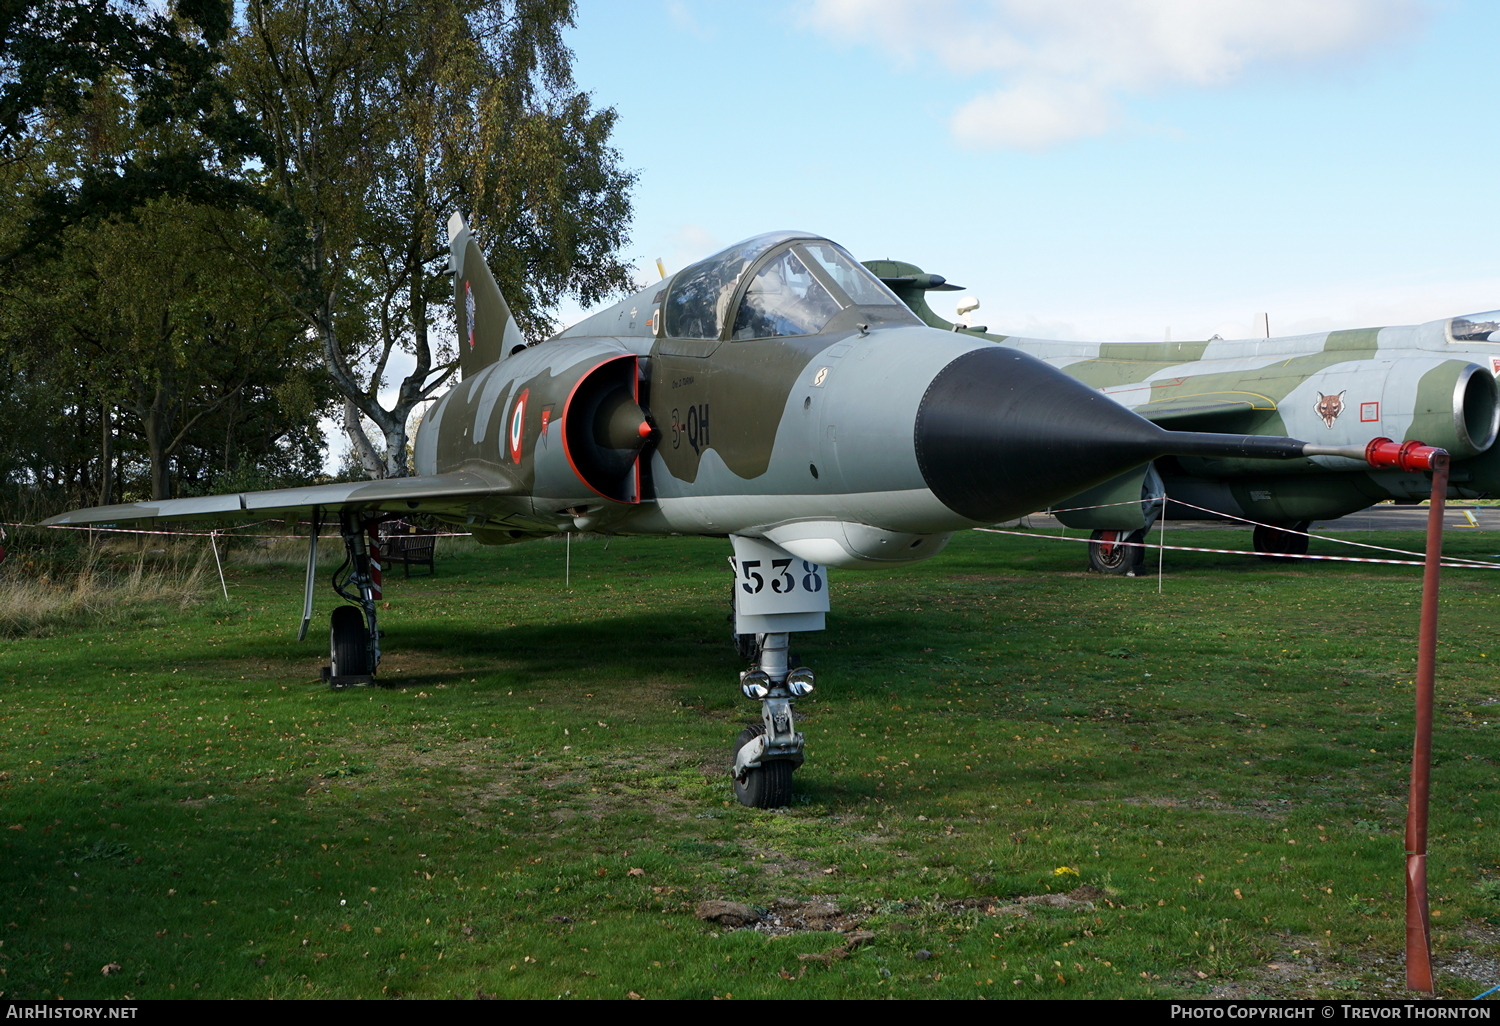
1414 456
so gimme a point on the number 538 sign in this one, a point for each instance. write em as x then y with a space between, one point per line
768 579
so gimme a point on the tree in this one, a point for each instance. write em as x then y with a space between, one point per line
141 324
194 334
383 118
147 331
54 57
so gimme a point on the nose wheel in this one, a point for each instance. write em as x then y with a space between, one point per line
767 786
766 753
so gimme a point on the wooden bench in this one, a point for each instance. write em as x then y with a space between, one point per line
402 544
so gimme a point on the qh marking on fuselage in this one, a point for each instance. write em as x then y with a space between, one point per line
694 428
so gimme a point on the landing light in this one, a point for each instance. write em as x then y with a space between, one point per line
755 684
800 682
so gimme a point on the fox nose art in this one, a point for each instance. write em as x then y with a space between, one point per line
1000 434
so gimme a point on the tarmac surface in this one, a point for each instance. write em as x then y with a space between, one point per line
1385 517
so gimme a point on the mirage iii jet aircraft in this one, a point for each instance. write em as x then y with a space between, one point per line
1434 381
776 394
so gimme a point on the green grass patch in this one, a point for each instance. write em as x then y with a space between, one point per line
1022 779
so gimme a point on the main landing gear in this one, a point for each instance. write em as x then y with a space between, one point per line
1117 552
353 635
766 753
1275 545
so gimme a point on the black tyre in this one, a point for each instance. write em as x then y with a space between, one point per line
349 643
769 786
748 647
1109 552
1274 544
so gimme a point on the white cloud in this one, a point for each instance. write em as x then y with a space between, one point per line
1066 66
684 20
1035 115
689 244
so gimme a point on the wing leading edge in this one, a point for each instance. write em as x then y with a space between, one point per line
1206 404
451 493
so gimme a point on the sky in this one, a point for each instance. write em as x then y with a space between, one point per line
1087 169
1091 169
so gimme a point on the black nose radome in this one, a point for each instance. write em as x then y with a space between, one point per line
1000 434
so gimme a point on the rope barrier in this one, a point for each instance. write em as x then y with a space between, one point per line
1468 565
206 534
1454 562
1217 515
1305 534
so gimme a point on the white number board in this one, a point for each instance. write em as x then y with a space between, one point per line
769 580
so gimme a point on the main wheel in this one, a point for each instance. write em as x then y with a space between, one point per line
1274 544
1109 553
349 643
769 786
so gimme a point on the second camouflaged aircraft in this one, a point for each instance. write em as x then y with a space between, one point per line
776 394
1433 381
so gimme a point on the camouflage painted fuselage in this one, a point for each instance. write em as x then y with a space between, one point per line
748 437
1341 387
776 390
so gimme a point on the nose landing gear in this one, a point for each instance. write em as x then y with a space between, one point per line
775 595
766 753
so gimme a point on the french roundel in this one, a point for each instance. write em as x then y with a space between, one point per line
517 425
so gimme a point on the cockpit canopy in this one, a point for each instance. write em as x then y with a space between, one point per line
778 284
1480 327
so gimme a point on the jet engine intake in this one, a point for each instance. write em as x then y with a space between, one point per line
603 433
1468 423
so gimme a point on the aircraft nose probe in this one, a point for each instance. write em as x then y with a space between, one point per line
1000 434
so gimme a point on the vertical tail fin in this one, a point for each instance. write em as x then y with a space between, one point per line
487 333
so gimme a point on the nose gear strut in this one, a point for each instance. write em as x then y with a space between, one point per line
766 753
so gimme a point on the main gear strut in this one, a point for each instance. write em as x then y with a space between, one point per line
354 635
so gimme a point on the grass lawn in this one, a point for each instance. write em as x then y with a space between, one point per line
1022 779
